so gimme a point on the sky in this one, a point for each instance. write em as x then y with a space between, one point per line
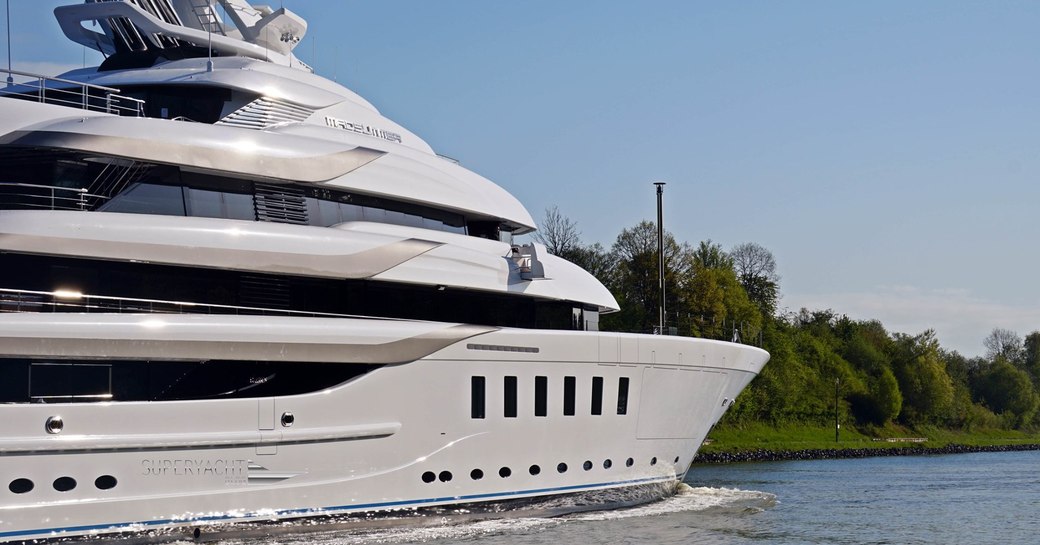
885 152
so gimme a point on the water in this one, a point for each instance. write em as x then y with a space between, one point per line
985 498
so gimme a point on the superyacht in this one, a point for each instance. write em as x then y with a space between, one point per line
233 294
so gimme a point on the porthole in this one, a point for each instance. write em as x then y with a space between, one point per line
445 476
629 462
288 419
54 425
535 469
653 461
476 474
21 486
561 467
607 463
505 472
587 465
428 477
105 482
64 484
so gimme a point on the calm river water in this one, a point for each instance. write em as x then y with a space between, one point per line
965 498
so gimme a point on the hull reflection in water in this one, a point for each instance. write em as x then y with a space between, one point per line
501 519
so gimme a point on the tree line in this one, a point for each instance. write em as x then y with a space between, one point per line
881 377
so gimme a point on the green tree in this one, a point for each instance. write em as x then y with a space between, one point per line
711 256
1003 344
926 387
717 305
634 280
756 270
1007 389
1031 356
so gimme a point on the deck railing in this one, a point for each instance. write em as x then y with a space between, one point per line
16 300
18 196
74 94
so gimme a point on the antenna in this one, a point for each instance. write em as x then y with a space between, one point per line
10 77
209 39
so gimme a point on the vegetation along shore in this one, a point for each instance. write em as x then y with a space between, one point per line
900 393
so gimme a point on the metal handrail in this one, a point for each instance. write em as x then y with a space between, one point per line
50 197
113 101
16 300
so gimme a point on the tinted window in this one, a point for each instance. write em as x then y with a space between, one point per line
622 395
163 200
568 395
541 393
70 381
239 206
477 397
509 410
597 395
86 381
203 203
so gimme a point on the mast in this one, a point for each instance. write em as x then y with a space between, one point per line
10 77
660 256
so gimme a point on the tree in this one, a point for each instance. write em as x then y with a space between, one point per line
756 270
561 238
634 279
882 404
559 233
1031 357
595 259
926 387
718 305
1007 389
1003 344
711 256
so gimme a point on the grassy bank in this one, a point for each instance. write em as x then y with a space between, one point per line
793 438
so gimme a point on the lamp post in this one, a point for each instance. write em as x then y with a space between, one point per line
660 256
837 426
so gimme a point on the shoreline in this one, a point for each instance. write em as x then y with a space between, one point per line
768 455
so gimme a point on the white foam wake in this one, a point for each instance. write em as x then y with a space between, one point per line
689 498
685 499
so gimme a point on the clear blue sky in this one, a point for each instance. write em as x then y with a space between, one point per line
886 152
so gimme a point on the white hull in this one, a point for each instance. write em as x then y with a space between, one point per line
363 446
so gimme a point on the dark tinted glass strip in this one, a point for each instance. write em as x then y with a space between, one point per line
478 397
541 396
622 395
54 381
509 408
569 386
597 395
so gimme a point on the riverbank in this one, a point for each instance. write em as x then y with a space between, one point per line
760 443
763 455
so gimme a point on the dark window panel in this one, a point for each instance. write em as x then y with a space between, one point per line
597 395
509 386
569 386
622 395
478 397
541 396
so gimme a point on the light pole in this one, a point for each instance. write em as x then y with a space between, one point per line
837 426
10 77
660 256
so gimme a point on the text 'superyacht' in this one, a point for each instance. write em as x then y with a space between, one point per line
233 292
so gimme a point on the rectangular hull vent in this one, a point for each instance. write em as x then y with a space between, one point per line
265 112
263 292
280 204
